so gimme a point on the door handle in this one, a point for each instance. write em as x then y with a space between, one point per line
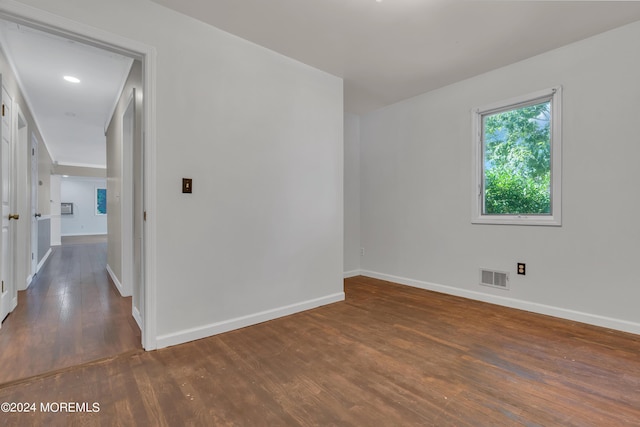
37 215
14 216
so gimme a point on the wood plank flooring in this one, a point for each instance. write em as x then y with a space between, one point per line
389 355
71 314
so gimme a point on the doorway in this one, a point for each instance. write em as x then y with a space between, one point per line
143 252
35 215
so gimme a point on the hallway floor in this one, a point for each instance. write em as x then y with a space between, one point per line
71 314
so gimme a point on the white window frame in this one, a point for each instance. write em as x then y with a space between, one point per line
554 94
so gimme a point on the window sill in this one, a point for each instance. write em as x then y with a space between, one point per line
518 220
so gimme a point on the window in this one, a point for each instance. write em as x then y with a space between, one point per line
517 160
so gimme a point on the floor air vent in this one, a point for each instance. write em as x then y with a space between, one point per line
496 279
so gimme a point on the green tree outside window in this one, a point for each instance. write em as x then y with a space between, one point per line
517 161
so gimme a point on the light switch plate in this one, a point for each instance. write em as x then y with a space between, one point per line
187 185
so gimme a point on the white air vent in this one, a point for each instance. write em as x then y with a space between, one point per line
496 279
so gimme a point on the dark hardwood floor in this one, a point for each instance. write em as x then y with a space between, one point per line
71 314
389 355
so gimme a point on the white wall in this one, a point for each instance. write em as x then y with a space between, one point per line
261 136
116 192
81 192
351 194
416 189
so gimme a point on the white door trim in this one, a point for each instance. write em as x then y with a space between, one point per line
33 205
18 12
22 176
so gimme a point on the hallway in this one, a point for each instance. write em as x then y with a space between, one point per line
71 314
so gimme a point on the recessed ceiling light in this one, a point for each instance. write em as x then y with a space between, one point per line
72 79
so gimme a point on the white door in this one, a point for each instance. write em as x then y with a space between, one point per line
138 211
34 205
133 205
6 249
127 199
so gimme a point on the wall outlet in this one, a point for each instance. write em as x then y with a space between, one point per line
361 251
522 268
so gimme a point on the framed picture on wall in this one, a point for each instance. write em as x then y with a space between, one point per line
101 201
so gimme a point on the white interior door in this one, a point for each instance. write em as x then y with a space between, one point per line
138 210
34 205
6 248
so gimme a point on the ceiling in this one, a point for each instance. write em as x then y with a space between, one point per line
395 49
72 117
385 51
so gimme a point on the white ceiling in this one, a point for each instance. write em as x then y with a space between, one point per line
385 51
71 117
395 49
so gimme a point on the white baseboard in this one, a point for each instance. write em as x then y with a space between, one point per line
244 321
563 313
136 316
44 259
27 283
83 234
116 281
352 273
